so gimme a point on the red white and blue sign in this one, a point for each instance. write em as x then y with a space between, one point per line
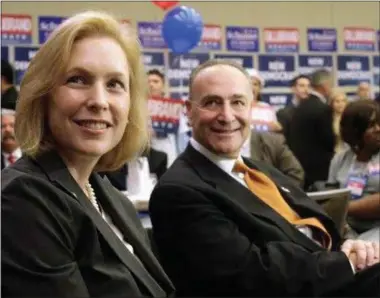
277 70
359 39
211 38
376 70
245 61
150 35
321 40
309 63
46 25
281 40
242 39
353 69
5 53
23 55
16 29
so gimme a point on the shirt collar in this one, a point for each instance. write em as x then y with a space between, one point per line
17 153
224 163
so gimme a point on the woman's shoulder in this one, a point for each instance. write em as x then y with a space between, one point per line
343 156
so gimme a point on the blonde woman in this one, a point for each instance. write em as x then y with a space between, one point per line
82 108
338 102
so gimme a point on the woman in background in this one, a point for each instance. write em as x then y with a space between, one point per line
358 167
338 102
66 231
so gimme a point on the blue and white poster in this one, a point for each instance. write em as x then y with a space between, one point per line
309 63
376 70
277 100
180 67
244 60
242 39
353 69
277 70
154 60
378 40
321 40
5 53
150 35
46 25
23 55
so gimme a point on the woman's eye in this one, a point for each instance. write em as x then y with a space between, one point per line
116 84
76 80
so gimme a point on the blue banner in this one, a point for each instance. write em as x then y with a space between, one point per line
244 60
150 35
353 69
179 95
321 40
23 55
5 53
376 70
154 60
378 40
242 39
180 67
351 96
46 25
277 70
277 100
309 63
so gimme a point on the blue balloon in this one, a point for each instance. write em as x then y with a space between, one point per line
182 29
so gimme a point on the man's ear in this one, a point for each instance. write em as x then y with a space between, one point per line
189 108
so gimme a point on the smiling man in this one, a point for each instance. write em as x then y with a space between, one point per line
227 226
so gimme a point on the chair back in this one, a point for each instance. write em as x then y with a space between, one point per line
335 203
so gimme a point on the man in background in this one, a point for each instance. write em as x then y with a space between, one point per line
10 150
9 92
311 136
363 91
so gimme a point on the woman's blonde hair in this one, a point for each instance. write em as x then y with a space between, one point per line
45 73
336 93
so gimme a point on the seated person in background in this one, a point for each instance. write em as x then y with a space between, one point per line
358 167
157 161
10 150
338 102
227 226
271 148
82 109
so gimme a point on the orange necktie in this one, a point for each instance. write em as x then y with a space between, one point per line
265 189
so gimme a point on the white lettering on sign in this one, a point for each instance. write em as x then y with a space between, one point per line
21 65
31 54
276 65
278 99
48 26
281 36
212 33
165 110
245 35
188 63
314 61
322 37
353 75
147 59
359 35
277 76
16 24
149 31
179 73
354 65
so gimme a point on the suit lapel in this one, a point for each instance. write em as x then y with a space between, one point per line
58 173
236 192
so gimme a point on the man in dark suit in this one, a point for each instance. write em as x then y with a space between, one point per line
9 93
157 161
311 136
226 226
10 150
300 86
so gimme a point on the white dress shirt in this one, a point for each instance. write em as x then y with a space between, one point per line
17 154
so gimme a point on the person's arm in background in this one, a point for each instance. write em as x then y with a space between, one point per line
367 207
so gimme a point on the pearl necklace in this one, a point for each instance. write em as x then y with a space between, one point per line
92 196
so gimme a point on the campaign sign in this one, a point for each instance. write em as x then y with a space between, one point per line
281 40
165 114
179 95
211 38
353 69
351 96
277 100
154 60
277 70
5 53
321 40
46 25
309 63
16 29
23 55
376 70
359 39
242 39
150 35
180 67
378 40
245 61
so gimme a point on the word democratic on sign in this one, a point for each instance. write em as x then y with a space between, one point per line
322 40
281 40
165 114
23 55
16 29
359 39
353 69
242 39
